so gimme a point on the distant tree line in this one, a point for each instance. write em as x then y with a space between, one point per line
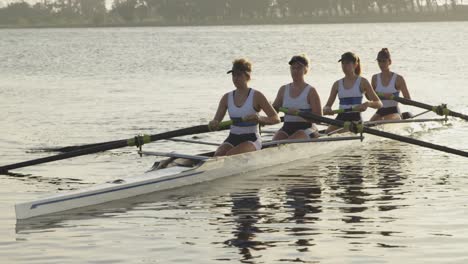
54 12
167 12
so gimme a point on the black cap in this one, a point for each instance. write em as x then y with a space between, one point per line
349 56
240 67
299 59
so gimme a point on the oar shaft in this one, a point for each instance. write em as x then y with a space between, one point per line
71 154
201 129
115 145
342 111
459 115
441 110
73 148
413 103
339 123
414 141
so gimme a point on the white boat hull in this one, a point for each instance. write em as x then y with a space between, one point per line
211 169
174 177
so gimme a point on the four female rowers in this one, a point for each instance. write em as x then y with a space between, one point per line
244 103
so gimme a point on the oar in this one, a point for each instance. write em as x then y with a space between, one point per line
361 128
440 109
136 141
347 110
78 147
92 145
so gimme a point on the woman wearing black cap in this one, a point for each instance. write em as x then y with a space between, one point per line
296 96
394 84
350 91
243 105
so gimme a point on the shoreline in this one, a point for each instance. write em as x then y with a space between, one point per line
407 18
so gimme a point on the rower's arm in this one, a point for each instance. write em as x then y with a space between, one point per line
222 108
272 116
401 85
279 99
333 94
331 99
374 81
374 101
314 102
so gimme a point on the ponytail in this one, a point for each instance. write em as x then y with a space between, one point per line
357 70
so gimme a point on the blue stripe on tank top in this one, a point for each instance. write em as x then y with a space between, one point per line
245 124
351 100
238 122
397 94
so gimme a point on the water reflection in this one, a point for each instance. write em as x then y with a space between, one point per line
349 187
304 200
63 183
391 177
245 213
67 219
366 182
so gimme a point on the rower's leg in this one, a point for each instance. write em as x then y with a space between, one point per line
300 134
242 148
223 149
376 117
280 135
392 117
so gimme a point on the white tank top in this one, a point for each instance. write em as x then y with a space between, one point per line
391 88
237 113
350 97
300 102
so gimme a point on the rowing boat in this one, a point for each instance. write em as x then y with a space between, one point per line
182 170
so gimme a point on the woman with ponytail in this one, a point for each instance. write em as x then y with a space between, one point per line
350 91
395 84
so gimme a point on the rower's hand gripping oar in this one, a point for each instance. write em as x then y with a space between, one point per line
360 128
136 141
347 110
441 110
